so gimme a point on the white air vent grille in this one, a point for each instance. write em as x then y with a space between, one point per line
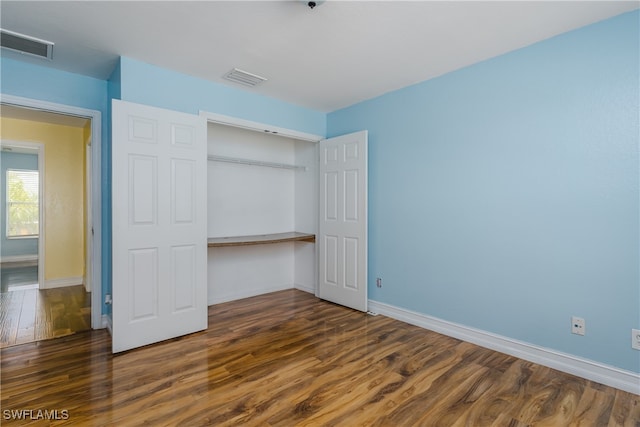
244 78
26 44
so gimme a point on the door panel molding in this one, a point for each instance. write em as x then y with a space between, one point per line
342 252
159 224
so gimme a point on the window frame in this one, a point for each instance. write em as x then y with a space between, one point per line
8 202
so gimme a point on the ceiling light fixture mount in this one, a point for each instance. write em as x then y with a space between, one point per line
313 4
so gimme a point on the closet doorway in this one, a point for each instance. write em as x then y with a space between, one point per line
265 183
46 265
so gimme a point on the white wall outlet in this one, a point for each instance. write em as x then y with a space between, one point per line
577 325
635 339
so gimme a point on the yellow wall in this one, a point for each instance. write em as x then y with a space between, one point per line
63 191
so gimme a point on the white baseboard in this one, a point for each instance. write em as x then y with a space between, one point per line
585 368
19 258
310 289
218 299
62 282
106 323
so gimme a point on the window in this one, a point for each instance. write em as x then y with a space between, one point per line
22 203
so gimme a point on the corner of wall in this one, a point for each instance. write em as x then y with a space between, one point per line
114 83
114 91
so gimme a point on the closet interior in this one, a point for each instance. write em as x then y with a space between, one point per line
262 213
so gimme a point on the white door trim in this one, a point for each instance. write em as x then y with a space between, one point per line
259 127
96 186
88 259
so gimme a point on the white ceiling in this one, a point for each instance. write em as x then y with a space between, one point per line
335 55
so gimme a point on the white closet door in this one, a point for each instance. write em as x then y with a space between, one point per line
342 243
159 225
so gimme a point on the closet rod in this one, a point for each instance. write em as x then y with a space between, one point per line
253 162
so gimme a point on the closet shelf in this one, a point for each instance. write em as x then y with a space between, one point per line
261 239
250 162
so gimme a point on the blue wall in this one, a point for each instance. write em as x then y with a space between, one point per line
14 247
504 196
136 81
47 84
113 92
147 84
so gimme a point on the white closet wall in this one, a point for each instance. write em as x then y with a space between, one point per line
252 200
249 199
306 214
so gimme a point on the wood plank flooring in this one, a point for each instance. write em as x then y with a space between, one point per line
289 359
28 314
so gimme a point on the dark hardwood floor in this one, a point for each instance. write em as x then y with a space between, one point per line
290 359
28 314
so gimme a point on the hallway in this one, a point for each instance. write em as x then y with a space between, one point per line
29 314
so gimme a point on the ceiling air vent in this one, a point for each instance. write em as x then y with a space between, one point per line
244 78
26 44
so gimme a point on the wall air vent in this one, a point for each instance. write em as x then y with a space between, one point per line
244 78
26 44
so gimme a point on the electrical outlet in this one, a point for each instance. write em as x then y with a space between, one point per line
577 325
635 339
379 282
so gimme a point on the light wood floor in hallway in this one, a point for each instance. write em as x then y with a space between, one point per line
290 359
29 314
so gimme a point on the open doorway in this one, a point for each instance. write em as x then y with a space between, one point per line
59 302
20 217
